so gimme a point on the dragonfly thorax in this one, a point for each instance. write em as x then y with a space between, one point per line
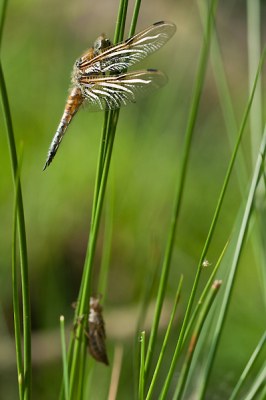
76 74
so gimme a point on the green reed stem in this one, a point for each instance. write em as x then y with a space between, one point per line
142 369
22 242
134 18
202 316
82 366
99 165
64 357
204 293
229 285
225 101
146 290
18 338
180 186
167 335
108 236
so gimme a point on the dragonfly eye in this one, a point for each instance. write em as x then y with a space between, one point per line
106 43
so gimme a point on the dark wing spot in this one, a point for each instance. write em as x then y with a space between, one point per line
152 70
158 23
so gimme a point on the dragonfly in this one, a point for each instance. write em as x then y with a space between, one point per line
99 79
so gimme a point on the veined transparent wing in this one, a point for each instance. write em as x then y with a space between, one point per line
115 91
123 55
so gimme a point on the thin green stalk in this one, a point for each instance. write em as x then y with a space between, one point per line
167 335
202 316
22 243
119 22
146 290
119 32
142 365
64 356
248 367
18 338
180 186
229 286
69 360
123 23
134 18
21 224
108 236
99 165
205 291
225 101
82 367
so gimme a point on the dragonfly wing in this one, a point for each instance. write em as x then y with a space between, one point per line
111 92
133 50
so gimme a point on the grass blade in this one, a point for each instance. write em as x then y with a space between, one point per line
180 186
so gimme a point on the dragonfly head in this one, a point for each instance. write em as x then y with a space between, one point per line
101 44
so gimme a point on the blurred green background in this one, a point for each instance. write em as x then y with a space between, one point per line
40 44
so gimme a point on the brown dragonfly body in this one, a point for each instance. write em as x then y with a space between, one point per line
73 103
99 82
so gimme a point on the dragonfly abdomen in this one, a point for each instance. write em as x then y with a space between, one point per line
72 105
